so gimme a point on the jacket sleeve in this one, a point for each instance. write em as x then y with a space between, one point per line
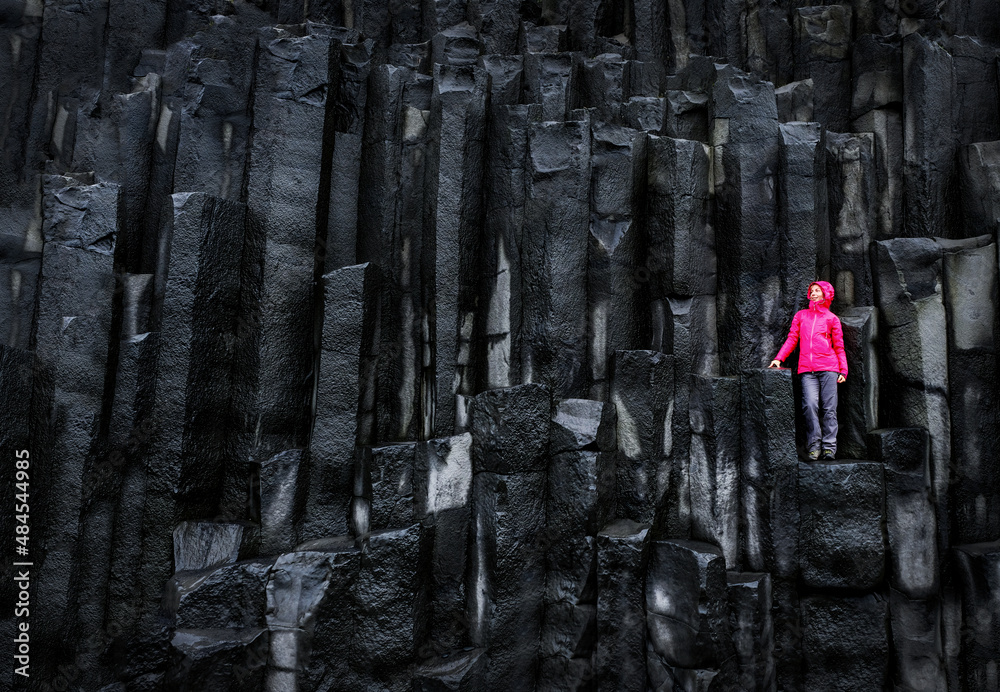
792 340
838 345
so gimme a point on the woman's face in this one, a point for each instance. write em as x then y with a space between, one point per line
815 293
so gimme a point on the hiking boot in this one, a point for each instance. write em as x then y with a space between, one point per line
828 455
813 455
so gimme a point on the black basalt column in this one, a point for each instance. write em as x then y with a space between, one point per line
72 337
858 397
506 577
805 238
745 138
977 570
622 556
458 124
970 296
752 629
554 257
822 50
651 482
344 418
928 138
850 177
283 183
501 245
715 464
614 293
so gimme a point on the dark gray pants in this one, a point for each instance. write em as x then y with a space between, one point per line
819 405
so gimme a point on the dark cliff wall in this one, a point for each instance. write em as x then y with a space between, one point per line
409 345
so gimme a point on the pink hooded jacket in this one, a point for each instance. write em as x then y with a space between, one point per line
819 335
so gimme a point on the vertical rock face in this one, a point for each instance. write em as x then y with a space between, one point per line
421 345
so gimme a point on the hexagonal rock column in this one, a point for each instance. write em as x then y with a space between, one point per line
715 463
282 500
845 643
554 256
310 616
345 385
858 398
648 477
769 507
841 534
442 485
580 499
970 298
978 568
909 511
620 662
752 629
507 568
389 620
770 512
687 612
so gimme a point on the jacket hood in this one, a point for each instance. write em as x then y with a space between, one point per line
827 289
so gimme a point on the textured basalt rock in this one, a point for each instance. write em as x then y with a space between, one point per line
421 345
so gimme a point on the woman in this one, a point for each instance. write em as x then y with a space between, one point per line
822 365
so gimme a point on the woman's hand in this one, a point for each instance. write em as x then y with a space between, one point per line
777 364
841 379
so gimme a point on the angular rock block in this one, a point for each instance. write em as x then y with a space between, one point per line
977 566
795 101
442 493
282 500
845 642
686 115
841 529
344 417
510 429
909 509
507 575
554 249
389 624
974 92
647 477
687 614
549 80
388 480
715 463
979 171
769 476
681 256
223 660
604 86
646 113
227 597
752 626
463 671
886 124
877 73
620 662
916 643
200 545
582 424
558 673
858 398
